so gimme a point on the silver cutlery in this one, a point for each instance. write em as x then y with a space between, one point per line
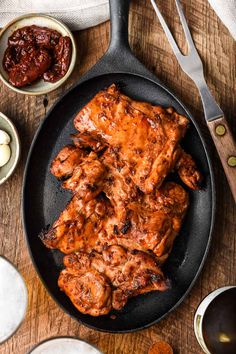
215 119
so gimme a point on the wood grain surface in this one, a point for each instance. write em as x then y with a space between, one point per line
217 49
226 148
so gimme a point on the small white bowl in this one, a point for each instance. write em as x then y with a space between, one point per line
13 299
40 87
199 316
61 345
7 170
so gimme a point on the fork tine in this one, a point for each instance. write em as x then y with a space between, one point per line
166 30
185 25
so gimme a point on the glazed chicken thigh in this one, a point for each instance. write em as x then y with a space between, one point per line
152 223
89 290
120 225
95 282
66 161
78 226
87 178
145 137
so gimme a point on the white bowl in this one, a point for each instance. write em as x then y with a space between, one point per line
40 86
13 299
61 345
7 170
199 315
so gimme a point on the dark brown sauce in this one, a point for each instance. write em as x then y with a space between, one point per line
219 324
35 52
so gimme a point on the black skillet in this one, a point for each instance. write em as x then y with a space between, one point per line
43 198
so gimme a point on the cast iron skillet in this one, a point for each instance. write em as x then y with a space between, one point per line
43 198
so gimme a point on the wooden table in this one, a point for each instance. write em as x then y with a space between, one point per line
217 49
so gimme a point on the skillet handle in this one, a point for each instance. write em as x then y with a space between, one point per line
119 57
119 13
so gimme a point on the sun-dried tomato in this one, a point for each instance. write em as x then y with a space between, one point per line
43 37
35 52
30 67
62 58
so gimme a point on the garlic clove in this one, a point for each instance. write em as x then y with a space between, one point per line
5 154
4 137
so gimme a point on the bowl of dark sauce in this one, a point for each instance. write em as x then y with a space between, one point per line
215 322
37 54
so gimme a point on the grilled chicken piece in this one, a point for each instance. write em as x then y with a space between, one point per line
152 223
129 273
88 141
88 290
118 186
87 178
184 165
122 219
187 170
65 162
173 200
78 226
120 189
145 142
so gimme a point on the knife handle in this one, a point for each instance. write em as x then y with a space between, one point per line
226 148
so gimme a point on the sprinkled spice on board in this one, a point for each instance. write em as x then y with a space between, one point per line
160 348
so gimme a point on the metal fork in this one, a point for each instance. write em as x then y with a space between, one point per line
217 124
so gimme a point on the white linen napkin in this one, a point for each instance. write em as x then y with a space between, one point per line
80 14
226 10
77 14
